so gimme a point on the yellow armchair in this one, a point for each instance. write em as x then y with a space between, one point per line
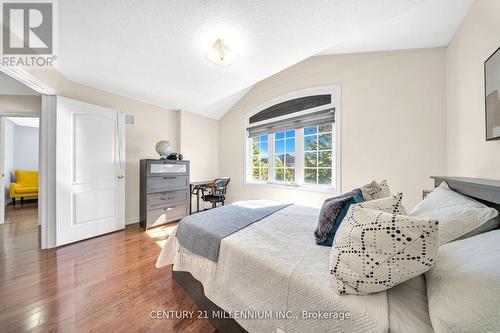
26 185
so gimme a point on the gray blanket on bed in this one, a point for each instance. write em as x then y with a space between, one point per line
202 233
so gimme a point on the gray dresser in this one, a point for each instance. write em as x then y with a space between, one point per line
164 193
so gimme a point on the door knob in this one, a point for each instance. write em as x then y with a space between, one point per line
120 177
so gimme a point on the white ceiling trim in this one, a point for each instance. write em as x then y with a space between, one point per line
27 79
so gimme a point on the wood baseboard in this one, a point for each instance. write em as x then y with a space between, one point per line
195 291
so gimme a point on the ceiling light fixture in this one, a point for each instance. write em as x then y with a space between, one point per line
221 54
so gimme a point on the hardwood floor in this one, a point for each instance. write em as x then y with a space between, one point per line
104 284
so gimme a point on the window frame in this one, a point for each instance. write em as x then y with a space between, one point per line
299 144
274 157
317 151
250 148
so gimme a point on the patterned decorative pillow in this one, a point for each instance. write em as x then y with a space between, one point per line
331 215
391 204
375 190
376 250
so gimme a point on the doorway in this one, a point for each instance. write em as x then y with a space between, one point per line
21 150
19 166
88 153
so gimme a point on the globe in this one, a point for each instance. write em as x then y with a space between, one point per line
163 148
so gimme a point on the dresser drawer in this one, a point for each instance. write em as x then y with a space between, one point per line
158 200
166 214
167 183
162 168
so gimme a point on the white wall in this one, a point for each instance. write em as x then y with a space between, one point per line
25 148
469 154
152 123
20 104
393 121
199 143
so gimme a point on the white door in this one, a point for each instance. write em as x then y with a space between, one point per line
2 170
90 184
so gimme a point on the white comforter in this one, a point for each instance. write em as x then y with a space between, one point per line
275 265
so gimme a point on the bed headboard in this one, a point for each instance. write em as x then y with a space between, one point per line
485 190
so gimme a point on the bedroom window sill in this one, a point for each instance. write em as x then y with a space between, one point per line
307 188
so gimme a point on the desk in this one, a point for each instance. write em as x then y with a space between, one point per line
195 189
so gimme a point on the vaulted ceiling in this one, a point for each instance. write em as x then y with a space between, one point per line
154 50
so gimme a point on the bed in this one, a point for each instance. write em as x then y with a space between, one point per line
257 286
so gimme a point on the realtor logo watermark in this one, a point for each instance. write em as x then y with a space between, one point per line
28 33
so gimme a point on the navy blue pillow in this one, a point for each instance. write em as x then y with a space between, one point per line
331 215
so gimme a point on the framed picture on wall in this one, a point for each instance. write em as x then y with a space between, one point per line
492 95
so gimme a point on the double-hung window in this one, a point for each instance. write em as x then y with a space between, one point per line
294 142
284 156
318 152
260 157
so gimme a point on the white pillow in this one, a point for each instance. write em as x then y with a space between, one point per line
375 250
391 204
375 190
491 224
456 213
463 288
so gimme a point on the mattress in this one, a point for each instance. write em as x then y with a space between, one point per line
273 268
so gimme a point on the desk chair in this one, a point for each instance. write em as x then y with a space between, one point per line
218 191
